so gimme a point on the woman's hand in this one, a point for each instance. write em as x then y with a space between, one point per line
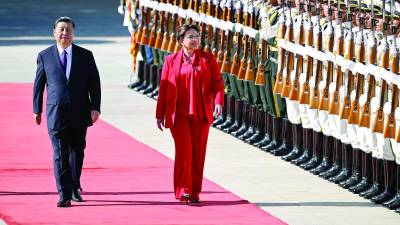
217 110
160 124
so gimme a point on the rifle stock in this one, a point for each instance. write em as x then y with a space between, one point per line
243 61
153 32
295 85
346 105
390 125
226 62
314 93
289 61
378 123
260 76
324 95
304 97
281 58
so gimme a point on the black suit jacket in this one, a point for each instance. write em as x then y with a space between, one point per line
69 102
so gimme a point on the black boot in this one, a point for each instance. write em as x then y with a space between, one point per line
297 150
154 93
267 131
221 118
230 113
327 156
307 147
245 120
395 201
287 140
146 77
337 161
238 117
258 126
366 170
152 80
140 75
356 171
388 174
250 130
276 135
347 162
377 176
317 152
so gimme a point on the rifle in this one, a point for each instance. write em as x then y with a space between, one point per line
289 57
226 62
314 94
160 32
243 61
295 86
220 54
390 125
139 32
152 40
203 25
216 32
167 25
145 33
324 94
354 115
172 40
210 12
365 116
182 5
260 76
378 123
346 106
234 70
334 100
281 54
250 71
304 97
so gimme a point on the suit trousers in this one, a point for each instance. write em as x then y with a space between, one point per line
190 137
68 146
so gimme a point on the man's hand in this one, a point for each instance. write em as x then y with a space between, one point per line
95 115
217 110
160 124
37 117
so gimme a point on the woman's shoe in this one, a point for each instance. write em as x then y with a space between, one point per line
194 200
185 198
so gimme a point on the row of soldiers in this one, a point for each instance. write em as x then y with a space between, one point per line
314 82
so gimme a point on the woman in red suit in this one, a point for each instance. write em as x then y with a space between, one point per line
191 85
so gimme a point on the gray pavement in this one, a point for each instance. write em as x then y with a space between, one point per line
278 187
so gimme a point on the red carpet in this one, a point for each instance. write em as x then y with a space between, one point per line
124 181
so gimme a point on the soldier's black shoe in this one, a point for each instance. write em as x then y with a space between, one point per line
294 154
363 185
385 196
263 142
256 137
234 127
282 150
241 130
228 122
135 84
310 164
398 210
343 175
271 146
247 134
353 180
393 203
324 166
305 157
218 121
333 171
373 191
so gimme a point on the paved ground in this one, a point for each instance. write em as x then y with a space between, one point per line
285 191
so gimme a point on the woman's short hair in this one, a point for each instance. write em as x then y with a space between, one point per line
184 28
65 19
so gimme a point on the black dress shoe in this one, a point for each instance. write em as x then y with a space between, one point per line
64 203
76 196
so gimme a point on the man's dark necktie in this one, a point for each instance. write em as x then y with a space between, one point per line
64 61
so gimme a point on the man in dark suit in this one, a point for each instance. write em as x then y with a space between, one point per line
72 80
